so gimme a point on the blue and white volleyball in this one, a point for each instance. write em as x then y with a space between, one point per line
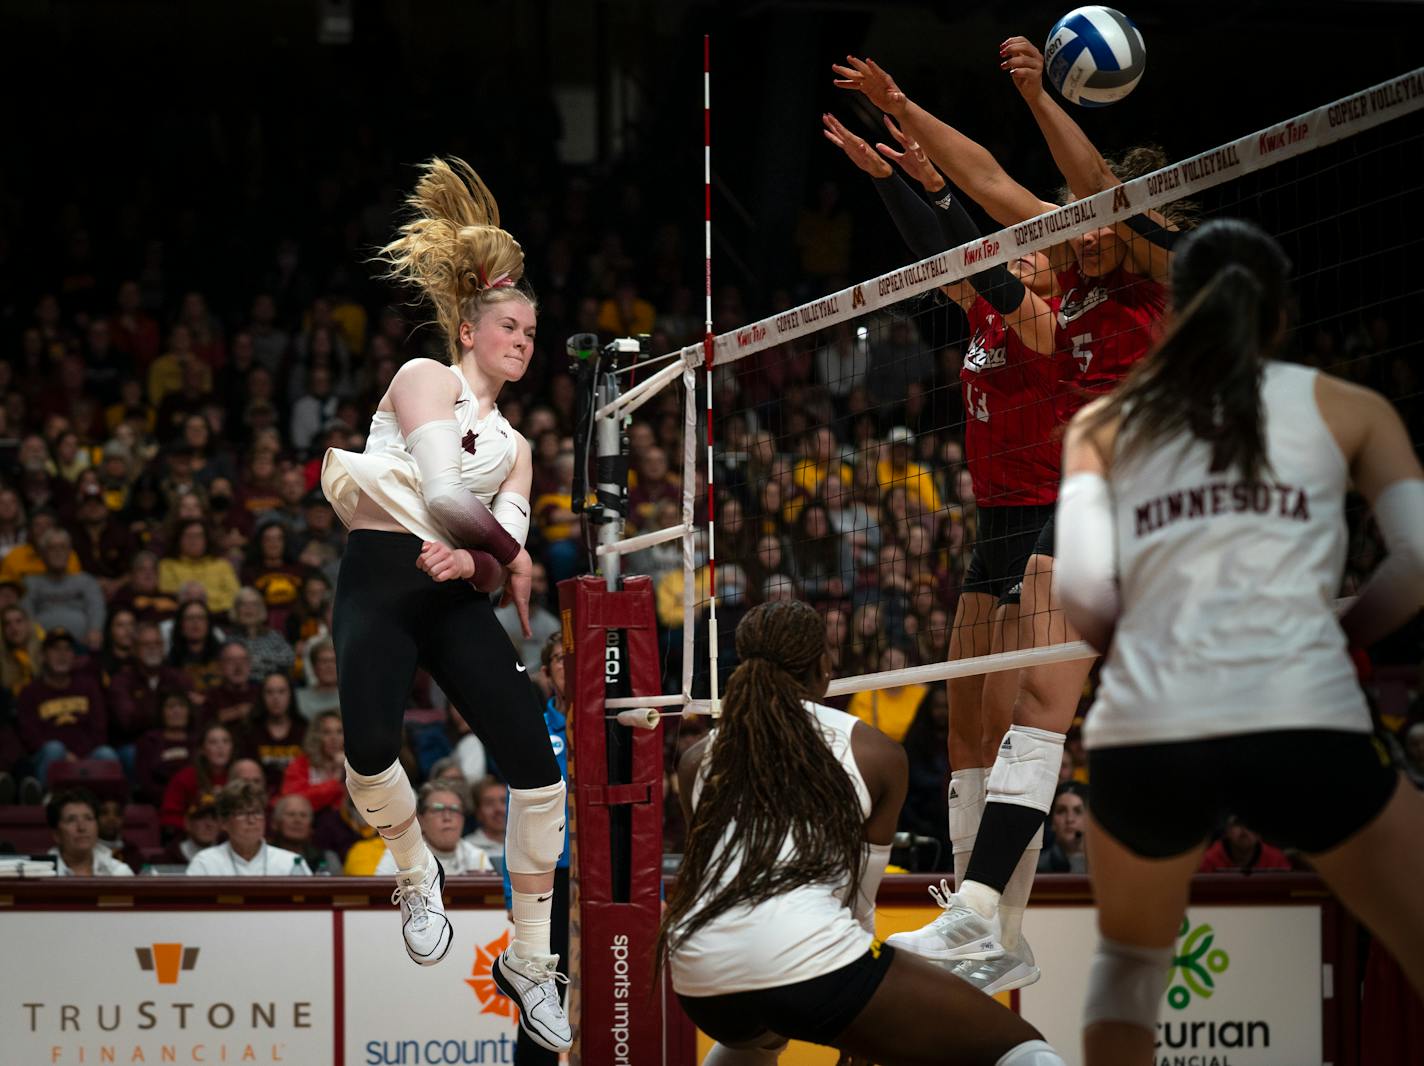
1094 56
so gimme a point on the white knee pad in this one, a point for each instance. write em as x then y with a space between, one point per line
1125 984
385 799
1026 770
1032 1053
534 830
966 807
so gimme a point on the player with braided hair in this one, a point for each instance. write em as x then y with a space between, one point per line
769 930
438 508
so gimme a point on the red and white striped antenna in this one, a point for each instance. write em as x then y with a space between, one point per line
708 349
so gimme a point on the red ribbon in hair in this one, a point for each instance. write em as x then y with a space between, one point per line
503 281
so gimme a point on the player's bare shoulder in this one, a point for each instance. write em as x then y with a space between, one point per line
423 377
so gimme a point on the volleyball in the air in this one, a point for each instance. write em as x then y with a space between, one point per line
1094 56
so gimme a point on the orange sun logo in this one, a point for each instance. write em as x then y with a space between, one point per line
492 1000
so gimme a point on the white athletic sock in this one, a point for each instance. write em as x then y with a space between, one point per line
408 848
981 899
1016 893
966 809
721 1055
531 922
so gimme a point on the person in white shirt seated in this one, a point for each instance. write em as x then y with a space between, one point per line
492 812
73 814
441 812
242 813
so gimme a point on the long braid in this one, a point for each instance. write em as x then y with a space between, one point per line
770 771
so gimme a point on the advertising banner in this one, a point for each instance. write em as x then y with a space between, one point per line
398 1012
155 987
1245 988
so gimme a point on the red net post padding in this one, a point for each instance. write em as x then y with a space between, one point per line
621 1015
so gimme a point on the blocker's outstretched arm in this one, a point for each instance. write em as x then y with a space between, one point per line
1150 236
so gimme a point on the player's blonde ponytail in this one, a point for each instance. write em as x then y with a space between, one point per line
453 249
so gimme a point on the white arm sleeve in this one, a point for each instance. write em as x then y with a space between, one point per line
1085 557
435 446
511 511
877 857
1395 591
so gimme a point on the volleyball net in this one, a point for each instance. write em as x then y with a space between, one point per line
839 426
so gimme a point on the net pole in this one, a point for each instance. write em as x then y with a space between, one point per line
689 535
709 350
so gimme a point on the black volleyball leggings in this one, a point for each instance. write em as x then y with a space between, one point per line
390 618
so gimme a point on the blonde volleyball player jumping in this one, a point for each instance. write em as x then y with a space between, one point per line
438 508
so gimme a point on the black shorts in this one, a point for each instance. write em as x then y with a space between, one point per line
1004 542
1161 800
1044 544
818 1010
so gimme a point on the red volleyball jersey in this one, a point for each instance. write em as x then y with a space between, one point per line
1010 414
1108 324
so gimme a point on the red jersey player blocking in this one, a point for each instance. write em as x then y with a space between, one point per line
1112 296
1010 380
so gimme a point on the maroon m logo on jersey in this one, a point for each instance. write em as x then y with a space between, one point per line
468 442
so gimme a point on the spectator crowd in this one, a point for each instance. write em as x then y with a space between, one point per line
167 558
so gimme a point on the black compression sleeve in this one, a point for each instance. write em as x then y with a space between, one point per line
1003 291
914 218
1153 232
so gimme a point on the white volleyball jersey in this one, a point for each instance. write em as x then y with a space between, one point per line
1228 624
795 936
388 474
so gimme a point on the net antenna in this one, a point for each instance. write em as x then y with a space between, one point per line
709 349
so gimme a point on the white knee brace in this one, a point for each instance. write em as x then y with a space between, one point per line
1125 984
385 799
966 807
1026 770
1032 1053
534 830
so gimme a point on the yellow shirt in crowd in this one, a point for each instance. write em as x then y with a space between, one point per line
214 574
917 480
890 710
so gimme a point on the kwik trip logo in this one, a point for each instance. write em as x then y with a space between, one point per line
1197 962
166 960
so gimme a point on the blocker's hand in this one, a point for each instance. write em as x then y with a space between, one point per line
517 589
445 564
863 75
912 158
1024 62
855 148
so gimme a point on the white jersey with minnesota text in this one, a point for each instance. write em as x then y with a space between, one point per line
795 936
1228 623
387 472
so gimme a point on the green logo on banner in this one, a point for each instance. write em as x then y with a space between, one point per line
1193 965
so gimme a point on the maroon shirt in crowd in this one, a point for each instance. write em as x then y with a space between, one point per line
157 759
273 753
75 715
233 706
136 699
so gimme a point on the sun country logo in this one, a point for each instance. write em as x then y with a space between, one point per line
492 1000
1193 964
166 960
